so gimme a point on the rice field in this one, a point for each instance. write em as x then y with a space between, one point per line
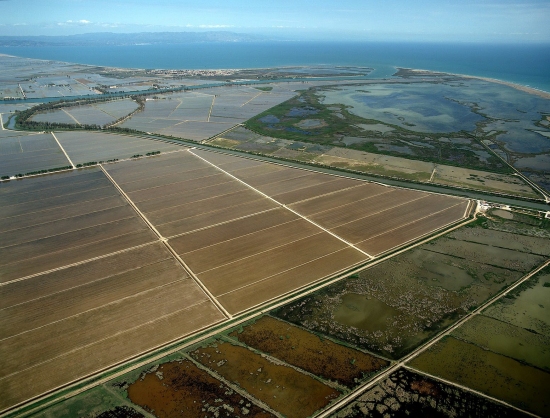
100 114
83 147
22 153
198 116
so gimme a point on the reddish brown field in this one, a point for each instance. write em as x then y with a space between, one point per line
282 388
307 351
182 389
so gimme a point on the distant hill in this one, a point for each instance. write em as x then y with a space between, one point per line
108 38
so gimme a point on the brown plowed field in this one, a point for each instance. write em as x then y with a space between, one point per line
174 213
307 351
281 387
219 233
72 301
51 215
181 388
258 292
259 172
290 185
189 196
29 197
53 182
58 202
340 198
175 176
208 177
63 226
35 346
212 218
269 174
133 171
238 164
402 234
228 277
352 212
82 274
219 158
124 235
389 219
247 245
330 186
32 381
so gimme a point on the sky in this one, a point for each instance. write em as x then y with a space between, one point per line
358 20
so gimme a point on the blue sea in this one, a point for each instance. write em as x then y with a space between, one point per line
526 64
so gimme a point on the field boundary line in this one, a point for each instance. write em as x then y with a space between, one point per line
438 337
41 273
169 247
211 107
284 206
259 94
63 149
71 116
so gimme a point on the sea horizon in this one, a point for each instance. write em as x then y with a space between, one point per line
523 64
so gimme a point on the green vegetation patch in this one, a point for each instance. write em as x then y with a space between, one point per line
483 370
394 306
306 118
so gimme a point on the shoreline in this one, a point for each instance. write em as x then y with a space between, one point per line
526 89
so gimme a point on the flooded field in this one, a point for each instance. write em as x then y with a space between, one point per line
405 393
309 352
200 115
83 147
394 306
23 153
